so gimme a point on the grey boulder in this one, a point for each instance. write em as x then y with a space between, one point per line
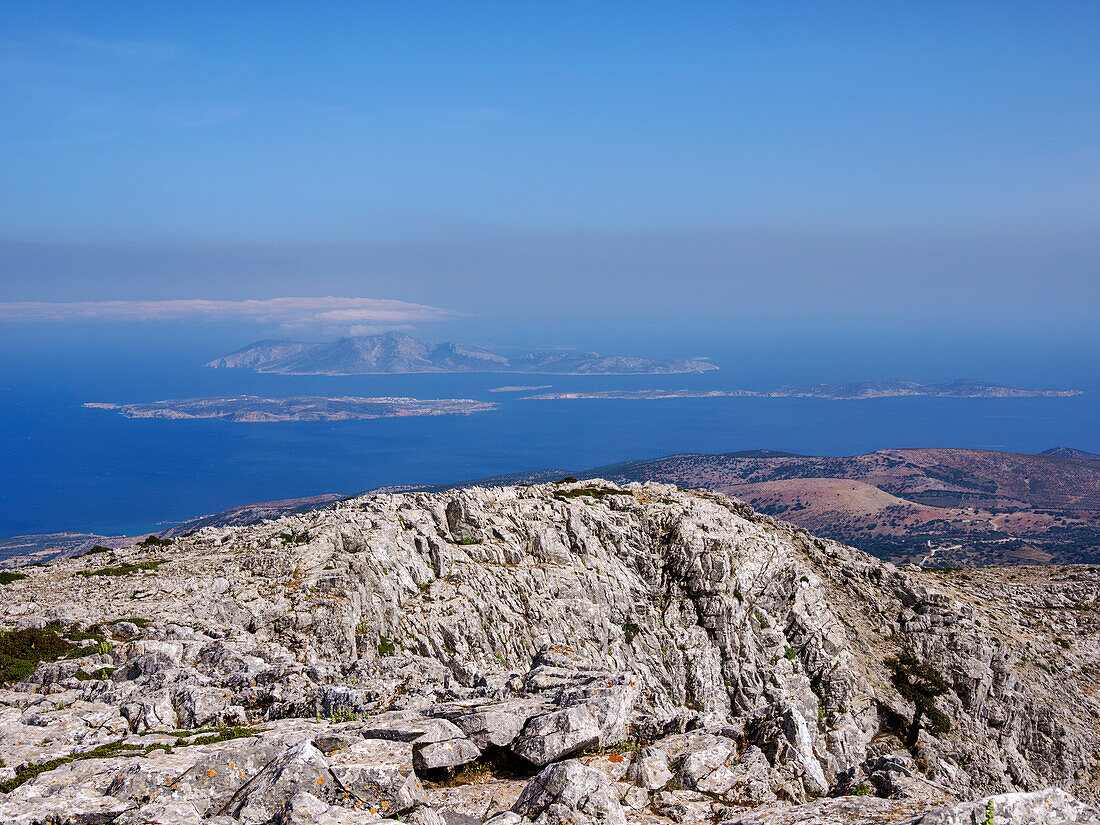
569 793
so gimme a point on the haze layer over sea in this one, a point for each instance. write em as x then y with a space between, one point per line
67 468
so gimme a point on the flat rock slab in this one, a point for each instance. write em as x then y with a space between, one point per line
569 793
491 723
380 773
451 753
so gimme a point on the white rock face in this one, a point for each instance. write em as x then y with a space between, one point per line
572 652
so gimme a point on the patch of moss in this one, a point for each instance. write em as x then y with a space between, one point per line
102 675
7 576
124 569
468 541
28 772
219 735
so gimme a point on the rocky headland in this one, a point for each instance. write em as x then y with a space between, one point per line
561 653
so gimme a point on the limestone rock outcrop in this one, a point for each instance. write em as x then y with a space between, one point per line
576 652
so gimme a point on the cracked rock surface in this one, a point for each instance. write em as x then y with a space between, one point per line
574 653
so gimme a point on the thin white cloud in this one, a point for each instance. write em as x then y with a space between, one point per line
129 49
286 311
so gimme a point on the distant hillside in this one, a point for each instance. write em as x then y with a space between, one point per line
937 507
1069 452
395 352
933 506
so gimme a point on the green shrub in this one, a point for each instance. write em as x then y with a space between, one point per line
8 576
920 684
594 492
153 541
386 647
124 569
22 650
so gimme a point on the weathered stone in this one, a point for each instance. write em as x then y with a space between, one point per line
1052 805
306 809
449 753
168 812
491 723
765 664
650 769
552 736
300 768
569 792
380 774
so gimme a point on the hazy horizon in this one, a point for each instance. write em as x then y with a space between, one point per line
686 179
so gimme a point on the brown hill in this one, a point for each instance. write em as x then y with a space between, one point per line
936 506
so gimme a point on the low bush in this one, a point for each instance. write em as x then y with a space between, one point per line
22 650
124 569
153 541
594 492
920 684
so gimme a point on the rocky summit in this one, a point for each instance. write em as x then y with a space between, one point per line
559 654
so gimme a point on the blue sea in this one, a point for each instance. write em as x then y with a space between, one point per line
67 468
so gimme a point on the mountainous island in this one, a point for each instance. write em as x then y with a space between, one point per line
395 352
576 653
962 388
254 409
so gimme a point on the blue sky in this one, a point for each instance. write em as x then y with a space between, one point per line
538 169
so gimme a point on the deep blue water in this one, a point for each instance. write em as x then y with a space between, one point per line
69 468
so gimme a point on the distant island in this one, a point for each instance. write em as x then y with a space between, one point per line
394 353
253 409
520 388
962 388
